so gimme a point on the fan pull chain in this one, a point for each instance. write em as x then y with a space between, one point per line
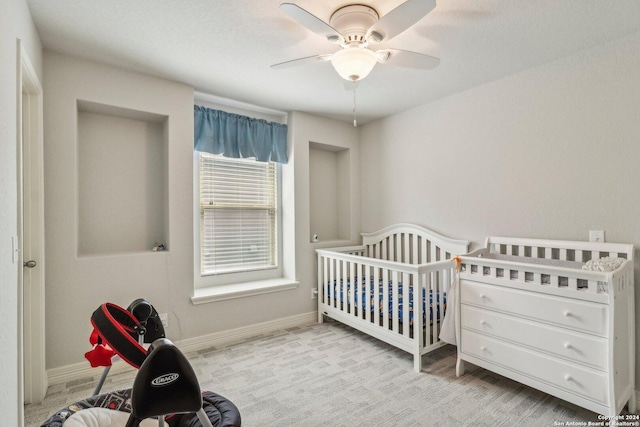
355 122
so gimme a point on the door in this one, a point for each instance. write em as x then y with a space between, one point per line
31 232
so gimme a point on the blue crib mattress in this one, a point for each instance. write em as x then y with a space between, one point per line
360 295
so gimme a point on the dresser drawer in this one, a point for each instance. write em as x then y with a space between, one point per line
589 383
580 315
574 346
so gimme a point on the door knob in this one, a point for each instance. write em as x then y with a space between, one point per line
30 264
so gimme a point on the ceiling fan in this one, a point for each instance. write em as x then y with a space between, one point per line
355 28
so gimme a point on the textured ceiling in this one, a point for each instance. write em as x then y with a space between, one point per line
225 48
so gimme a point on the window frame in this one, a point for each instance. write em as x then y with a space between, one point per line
228 278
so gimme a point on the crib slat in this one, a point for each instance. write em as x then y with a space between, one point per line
332 283
355 286
406 249
338 272
407 256
432 292
376 296
418 317
426 284
415 255
437 300
367 278
406 294
385 298
573 283
394 312
337 284
578 255
593 286
423 251
427 249
434 253
534 252
392 248
385 251
341 285
547 253
445 292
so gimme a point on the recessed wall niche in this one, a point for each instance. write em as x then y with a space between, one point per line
329 192
121 179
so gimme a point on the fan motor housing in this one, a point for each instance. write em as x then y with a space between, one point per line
353 21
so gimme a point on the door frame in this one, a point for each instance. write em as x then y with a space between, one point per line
31 281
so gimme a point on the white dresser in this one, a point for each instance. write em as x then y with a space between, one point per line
553 329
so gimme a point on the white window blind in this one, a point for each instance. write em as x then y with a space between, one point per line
238 199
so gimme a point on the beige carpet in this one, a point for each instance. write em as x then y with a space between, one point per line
331 375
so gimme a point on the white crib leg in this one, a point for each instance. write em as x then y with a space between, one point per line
417 361
459 367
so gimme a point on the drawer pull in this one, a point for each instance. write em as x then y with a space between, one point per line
567 345
483 296
568 377
483 348
483 322
567 313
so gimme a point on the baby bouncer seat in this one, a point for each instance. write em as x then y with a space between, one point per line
165 390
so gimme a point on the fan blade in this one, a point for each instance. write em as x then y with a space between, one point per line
311 21
399 19
407 59
302 61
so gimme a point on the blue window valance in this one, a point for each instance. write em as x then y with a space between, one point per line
232 135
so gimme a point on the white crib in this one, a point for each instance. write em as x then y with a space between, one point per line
529 311
366 287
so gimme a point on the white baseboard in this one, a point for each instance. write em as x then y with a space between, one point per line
238 334
81 370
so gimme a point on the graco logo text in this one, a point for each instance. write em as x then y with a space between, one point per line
165 379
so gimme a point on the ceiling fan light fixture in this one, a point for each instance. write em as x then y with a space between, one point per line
354 63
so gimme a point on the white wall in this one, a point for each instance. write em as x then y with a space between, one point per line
552 152
76 286
305 129
15 23
323 184
121 183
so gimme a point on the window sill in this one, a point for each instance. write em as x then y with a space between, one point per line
241 290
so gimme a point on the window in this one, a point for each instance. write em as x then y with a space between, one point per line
238 215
